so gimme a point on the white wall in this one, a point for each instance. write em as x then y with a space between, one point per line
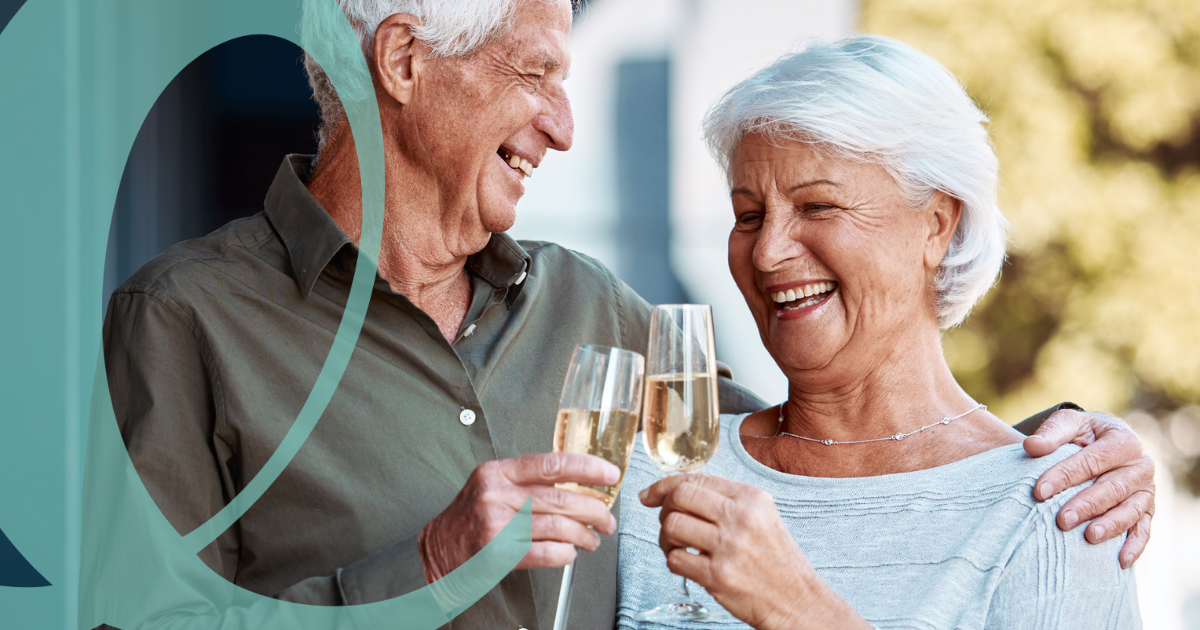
712 44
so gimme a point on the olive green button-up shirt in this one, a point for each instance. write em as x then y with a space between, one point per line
212 348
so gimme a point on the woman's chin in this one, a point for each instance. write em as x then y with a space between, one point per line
792 356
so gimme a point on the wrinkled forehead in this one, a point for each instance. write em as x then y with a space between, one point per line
758 156
762 165
540 34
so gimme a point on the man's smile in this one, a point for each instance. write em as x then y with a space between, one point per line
516 162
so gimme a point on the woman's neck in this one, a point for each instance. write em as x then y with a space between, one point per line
883 394
899 392
419 257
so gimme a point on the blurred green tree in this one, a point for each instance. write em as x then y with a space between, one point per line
1095 109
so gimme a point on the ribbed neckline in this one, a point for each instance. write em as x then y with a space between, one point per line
1003 458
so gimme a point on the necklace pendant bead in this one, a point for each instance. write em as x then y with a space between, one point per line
827 442
898 436
945 420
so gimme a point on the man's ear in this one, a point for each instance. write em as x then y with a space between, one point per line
395 62
944 212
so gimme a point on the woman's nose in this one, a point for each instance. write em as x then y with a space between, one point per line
777 242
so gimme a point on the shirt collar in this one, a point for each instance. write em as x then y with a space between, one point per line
312 237
502 263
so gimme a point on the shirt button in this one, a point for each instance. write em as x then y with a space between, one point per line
467 417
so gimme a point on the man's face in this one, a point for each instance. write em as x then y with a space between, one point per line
503 105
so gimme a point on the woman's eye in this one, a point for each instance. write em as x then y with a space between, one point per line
750 219
817 207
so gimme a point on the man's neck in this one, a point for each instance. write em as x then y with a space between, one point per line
414 256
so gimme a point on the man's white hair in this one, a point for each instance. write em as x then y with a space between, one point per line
451 28
879 100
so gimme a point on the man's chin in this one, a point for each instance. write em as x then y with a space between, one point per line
499 219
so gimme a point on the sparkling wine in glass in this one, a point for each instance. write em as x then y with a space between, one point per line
598 414
681 421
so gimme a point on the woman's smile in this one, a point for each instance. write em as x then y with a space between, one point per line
798 299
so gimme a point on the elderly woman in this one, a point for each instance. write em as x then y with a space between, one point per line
880 494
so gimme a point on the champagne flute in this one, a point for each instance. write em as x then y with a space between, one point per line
681 418
597 415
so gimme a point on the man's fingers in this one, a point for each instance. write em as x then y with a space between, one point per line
1119 519
548 554
551 468
574 505
1129 487
680 529
1135 544
1062 427
557 528
1114 448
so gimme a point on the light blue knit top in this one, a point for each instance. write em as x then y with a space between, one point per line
963 545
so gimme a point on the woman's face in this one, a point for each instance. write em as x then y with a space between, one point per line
842 233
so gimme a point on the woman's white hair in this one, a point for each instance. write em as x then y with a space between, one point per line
451 28
879 100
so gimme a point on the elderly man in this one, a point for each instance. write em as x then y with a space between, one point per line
439 430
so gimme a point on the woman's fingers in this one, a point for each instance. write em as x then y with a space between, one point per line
682 530
692 566
1114 445
695 495
654 495
1135 544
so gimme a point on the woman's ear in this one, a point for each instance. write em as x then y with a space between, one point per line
943 213
395 62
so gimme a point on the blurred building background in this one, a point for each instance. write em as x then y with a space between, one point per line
1095 113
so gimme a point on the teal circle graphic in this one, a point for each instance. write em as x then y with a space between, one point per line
82 79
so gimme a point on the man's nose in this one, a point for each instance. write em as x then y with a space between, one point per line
557 122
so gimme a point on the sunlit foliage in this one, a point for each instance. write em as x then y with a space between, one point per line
1095 109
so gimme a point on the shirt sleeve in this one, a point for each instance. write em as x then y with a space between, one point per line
166 404
1057 580
168 407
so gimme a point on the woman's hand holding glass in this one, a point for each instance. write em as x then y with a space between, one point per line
747 559
681 423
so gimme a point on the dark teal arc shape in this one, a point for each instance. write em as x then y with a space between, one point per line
15 570
135 570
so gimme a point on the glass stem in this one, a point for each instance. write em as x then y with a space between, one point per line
681 591
563 610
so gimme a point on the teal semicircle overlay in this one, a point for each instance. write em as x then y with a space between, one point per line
87 74
15 570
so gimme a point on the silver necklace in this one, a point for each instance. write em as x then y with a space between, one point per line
897 437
